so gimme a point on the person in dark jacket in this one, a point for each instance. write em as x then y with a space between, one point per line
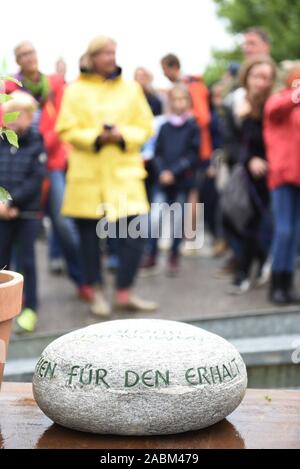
48 92
258 77
145 79
22 171
176 155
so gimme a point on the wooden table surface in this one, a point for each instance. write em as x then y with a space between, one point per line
265 419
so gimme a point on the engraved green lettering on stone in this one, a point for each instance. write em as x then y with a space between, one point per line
100 375
43 368
73 373
202 373
189 375
232 371
147 378
215 374
131 379
86 375
50 370
236 365
226 373
165 379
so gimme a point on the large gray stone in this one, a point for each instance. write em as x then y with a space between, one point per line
139 377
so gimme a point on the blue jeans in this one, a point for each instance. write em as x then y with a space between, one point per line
21 235
54 249
64 228
286 213
169 196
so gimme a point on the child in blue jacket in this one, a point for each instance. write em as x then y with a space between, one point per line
175 159
22 171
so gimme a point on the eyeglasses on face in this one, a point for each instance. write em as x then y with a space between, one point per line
25 54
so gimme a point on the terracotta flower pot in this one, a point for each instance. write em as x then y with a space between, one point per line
11 288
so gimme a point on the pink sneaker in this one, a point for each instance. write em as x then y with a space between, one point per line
86 293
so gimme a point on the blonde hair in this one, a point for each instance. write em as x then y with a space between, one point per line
20 101
97 44
183 89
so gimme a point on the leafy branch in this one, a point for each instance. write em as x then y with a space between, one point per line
9 134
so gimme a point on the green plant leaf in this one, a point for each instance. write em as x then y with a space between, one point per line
4 98
12 137
4 195
10 116
14 80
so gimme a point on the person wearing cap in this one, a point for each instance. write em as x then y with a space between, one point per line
106 120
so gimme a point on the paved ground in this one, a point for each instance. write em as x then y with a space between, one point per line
196 293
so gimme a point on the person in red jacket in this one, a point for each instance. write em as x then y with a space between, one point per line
48 92
282 138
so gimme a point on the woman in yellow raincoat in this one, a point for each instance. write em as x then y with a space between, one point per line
106 120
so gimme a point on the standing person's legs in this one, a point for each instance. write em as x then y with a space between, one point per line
7 237
252 246
65 228
210 198
90 251
266 232
198 195
90 258
282 207
130 253
288 275
55 255
112 254
154 232
179 218
131 247
193 200
242 277
26 237
159 198
295 236
27 234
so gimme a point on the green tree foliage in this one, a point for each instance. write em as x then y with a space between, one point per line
219 64
280 18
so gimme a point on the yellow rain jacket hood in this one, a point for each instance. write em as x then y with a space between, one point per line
109 182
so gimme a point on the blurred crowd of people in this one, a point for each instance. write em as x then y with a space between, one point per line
103 146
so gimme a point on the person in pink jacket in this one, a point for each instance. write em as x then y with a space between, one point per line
282 138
